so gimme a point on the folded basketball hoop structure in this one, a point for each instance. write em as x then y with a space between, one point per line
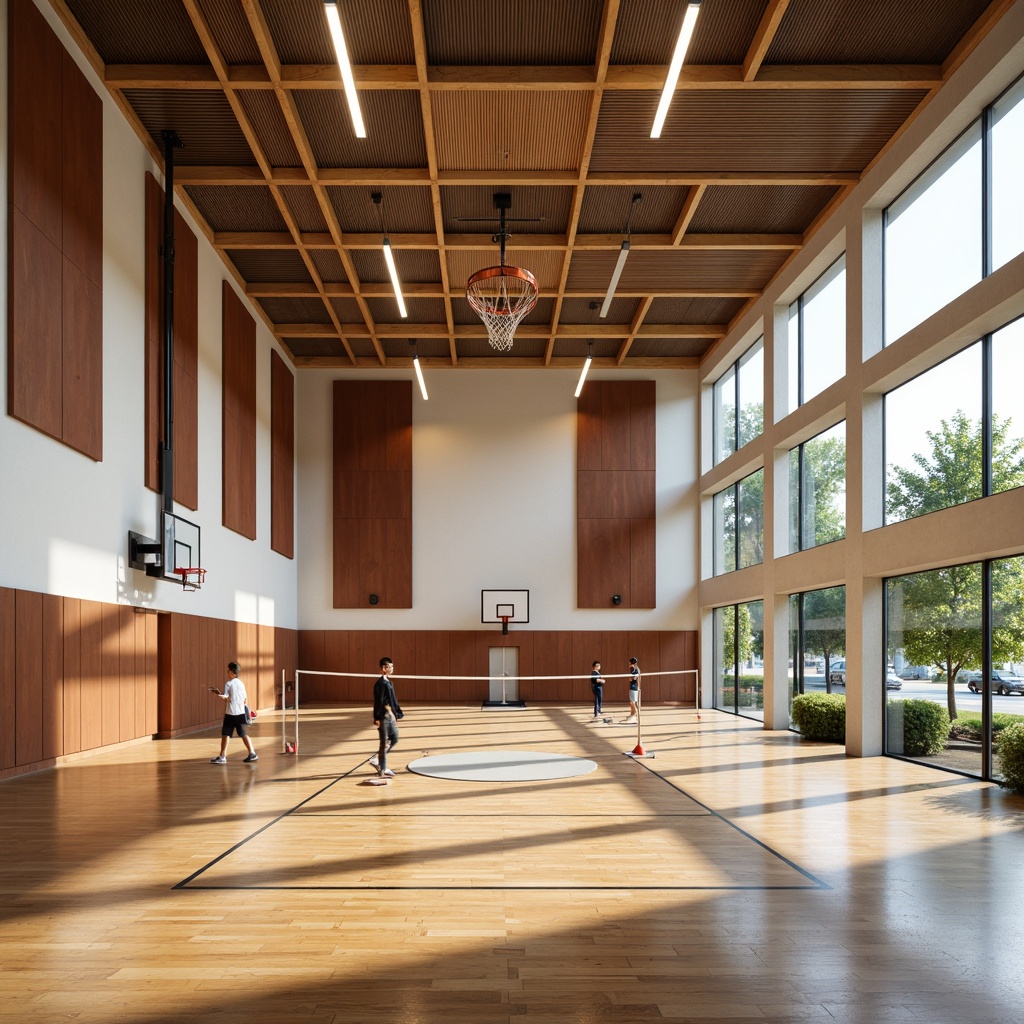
501 296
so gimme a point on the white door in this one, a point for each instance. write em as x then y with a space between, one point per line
504 670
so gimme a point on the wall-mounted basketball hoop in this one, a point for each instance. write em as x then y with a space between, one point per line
501 296
192 577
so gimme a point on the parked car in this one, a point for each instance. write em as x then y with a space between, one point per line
893 681
837 672
1002 682
917 672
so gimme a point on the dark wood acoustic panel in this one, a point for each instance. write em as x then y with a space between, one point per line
35 327
372 487
238 416
616 495
186 344
282 457
82 364
35 119
55 238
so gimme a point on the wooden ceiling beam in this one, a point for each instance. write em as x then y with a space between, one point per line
763 36
609 18
337 289
220 67
406 330
471 243
190 174
542 78
505 362
419 41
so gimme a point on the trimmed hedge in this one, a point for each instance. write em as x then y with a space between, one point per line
820 716
1011 757
925 727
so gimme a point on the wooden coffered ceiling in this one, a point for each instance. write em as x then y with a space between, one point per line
781 106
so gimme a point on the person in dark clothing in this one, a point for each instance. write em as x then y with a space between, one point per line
597 685
386 711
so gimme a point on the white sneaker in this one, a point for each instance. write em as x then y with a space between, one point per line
630 720
387 774
374 763
220 759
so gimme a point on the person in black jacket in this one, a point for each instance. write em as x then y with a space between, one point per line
386 712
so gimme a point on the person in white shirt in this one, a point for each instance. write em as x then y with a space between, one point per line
234 716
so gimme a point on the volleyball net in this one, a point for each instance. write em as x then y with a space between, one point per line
550 690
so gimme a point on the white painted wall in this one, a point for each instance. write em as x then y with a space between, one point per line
64 519
494 501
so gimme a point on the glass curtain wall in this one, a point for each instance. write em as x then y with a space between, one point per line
739 524
739 403
961 220
739 659
940 448
817 642
1006 158
817 490
817 336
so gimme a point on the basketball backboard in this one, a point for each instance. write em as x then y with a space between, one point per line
178 548
504 606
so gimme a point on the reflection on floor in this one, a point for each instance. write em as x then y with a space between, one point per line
740 875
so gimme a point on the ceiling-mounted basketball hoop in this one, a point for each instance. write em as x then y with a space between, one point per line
501 296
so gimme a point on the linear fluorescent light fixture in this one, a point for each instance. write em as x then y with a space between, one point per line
338 37
389 259
419 373
614 282
682 45
621 261
583 372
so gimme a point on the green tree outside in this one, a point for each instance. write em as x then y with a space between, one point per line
940 610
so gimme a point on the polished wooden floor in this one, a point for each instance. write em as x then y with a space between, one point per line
738 875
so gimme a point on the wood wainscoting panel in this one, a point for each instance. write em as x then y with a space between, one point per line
53 676
72 741
8 677
28 702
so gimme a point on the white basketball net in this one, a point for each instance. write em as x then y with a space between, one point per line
501 301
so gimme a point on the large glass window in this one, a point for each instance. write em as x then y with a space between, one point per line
1006 161
817 336
739 524
817 641
739 659
933 439
939 449
739 402
933 237
1007 620
936 231
934 646
1008 407
817 490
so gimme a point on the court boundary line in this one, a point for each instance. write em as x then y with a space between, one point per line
817 884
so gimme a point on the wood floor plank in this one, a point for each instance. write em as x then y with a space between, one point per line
874 889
